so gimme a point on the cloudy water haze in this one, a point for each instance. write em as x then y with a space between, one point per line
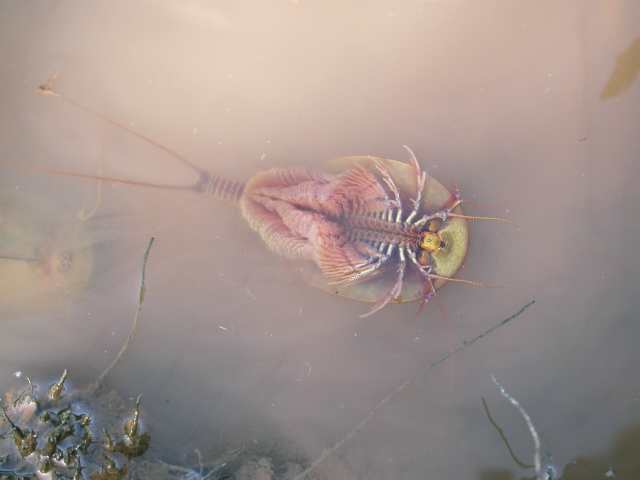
531 109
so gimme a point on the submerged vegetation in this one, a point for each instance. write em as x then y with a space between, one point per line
623 461
94 434
89 434
58 436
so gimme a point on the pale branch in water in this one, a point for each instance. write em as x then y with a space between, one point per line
400 388
99 381
549 470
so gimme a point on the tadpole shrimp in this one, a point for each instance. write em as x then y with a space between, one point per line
353 225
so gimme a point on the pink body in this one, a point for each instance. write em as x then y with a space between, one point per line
298 213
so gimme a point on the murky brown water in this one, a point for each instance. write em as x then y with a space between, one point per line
517 103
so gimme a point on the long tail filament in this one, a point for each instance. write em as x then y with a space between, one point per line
214 185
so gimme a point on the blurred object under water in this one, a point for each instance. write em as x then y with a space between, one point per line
44 258
625 72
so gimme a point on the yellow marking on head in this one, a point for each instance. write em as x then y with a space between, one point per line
431 242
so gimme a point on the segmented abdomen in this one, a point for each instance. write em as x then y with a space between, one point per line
224 189
378 228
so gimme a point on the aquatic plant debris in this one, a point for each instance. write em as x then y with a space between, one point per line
549 472
55 459
503 436
55 436
134 326
400 388
625 72
56 390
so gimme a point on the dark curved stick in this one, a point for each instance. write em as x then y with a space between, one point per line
503 436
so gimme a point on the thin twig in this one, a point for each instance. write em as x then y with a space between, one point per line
396 391
24 393
200 464
98 383
532 429
503 436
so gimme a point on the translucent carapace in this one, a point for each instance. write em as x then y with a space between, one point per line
446 261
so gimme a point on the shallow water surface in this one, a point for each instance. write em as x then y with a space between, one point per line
530 108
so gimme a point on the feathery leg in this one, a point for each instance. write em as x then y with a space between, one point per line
395 291
425 271
390 183
421 177
367 268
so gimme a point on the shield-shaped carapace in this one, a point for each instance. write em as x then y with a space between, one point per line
440 242
375 230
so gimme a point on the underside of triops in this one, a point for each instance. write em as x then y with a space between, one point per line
377 230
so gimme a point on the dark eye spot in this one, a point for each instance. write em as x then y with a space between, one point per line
442 244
